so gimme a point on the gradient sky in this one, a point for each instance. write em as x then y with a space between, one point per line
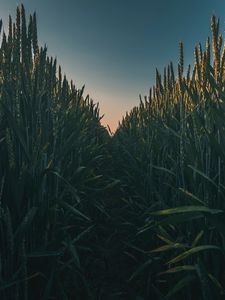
113 47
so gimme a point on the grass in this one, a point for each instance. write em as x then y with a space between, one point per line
86 215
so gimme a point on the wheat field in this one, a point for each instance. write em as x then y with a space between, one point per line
89 215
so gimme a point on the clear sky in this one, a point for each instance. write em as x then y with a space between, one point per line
113 47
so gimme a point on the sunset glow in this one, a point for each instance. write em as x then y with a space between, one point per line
114 50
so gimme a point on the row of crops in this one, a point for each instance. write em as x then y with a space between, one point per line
85 215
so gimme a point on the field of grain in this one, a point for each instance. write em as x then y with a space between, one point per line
89 215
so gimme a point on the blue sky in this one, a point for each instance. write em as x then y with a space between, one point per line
113 47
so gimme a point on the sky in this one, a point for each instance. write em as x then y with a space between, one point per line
114 47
